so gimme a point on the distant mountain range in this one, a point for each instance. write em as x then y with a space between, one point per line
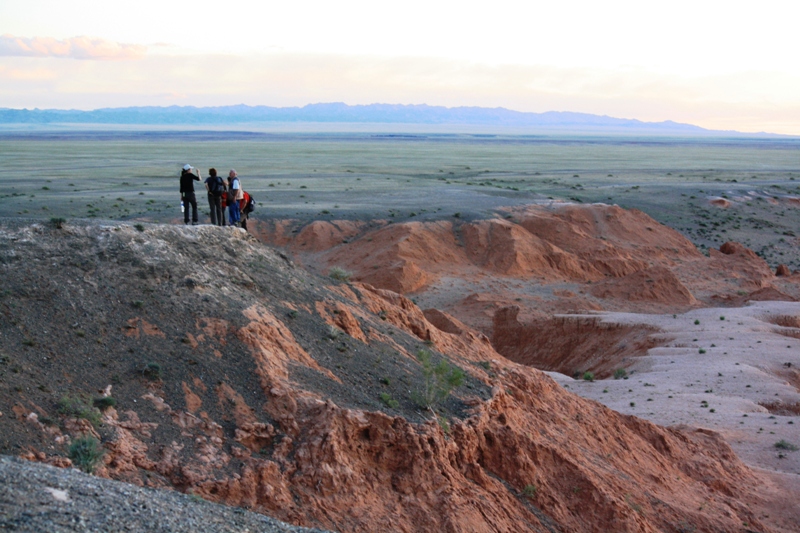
556 121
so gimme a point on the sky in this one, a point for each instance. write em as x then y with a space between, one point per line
728 65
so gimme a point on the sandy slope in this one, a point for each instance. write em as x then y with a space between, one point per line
740 387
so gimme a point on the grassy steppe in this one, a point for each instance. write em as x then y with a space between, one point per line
126 176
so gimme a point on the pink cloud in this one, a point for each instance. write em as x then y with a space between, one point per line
74 48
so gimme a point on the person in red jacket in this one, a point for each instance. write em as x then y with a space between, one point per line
243 210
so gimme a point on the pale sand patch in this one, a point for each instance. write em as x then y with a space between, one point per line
744 364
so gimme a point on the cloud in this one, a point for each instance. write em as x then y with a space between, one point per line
73 48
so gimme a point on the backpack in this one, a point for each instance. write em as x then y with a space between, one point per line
218 186
250 206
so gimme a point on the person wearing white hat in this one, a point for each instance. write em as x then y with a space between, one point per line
236 194
188 177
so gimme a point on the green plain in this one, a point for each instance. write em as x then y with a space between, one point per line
134 176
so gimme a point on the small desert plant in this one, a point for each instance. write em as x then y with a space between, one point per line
79 407
57 222
334 333
697 322
152 371
437 380
105 402
139 227
387 399
529 491
620 373
339 274
86 452
785 445
292 314
588 376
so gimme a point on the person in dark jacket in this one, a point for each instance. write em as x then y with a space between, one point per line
215 186
188 177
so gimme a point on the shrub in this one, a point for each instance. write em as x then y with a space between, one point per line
339 274
79 407
105 402
437 380
529 491
152 371
387 399
785 445
620 373
588 376
86 452
334 333
57 222
139 227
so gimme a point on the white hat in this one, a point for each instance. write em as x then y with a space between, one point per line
187 166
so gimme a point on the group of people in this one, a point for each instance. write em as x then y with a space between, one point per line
221 195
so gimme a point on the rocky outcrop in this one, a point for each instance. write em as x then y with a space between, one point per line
282 393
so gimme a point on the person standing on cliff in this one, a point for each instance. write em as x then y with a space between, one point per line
216 188
188 177
235 193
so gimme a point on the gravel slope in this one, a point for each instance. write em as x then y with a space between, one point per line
40 498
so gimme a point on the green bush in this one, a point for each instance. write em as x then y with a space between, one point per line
387 399
79 407
57 222
529 491
339 274
785 445
620 373
152 371
86 453
104 402
437 380
588 376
